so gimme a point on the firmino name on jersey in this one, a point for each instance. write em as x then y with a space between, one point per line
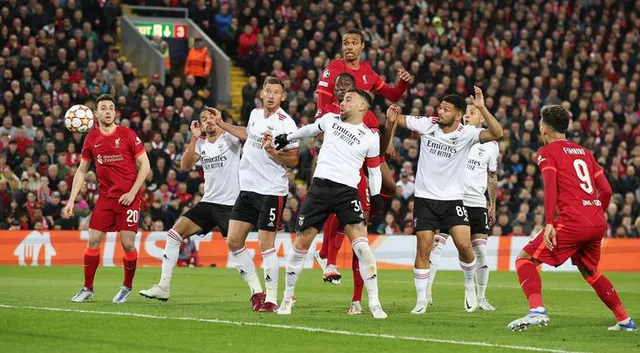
472 164
255 141
213 162
440 149
345 135
579 151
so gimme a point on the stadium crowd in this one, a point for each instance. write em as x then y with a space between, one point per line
582 54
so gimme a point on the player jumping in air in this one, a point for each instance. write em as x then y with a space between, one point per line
115 150
344 83
439 192
219 155
264 187
480 176
368 80
348 143
575 187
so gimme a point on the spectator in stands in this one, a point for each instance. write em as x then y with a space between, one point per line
198 63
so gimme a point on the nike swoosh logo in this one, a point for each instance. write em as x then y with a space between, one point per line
96 146
466 303
130 268
523 282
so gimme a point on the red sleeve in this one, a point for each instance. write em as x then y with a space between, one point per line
87 154
547 166
602 185
324 89
391 93
137 148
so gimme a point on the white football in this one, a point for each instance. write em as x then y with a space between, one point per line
78 118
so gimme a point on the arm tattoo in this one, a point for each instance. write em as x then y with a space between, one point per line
492 187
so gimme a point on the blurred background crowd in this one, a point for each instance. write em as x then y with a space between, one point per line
583 54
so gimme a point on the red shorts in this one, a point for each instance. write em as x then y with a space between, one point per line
110 216
363 190
581 244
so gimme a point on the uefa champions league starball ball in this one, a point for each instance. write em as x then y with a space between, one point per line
78 118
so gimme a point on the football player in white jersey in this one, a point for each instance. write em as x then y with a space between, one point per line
348 143
219 155
439 186
480 176
264 187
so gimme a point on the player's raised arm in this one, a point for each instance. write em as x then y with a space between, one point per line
78 182
494 130
394 93
190 157
237 131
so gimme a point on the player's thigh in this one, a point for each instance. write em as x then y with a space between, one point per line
237 236
478 222
315 208
565 248
128 240
198 219
461 236
266 239
425 216
221 216
128 217
95 238
103 216
424 243
347 206
270 217
245 210
587 258
452 214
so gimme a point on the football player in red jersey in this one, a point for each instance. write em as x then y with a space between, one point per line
115 150
327 98
578 190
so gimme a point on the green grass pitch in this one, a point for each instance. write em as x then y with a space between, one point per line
209 312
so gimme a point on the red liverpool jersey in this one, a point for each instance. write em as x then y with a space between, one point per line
115 159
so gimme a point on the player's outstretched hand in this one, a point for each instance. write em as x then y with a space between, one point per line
267 141
391 150
404 75
196 130
550 237
393 112
281 141
67 211
127 199
477 99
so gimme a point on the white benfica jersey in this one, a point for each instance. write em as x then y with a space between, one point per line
442 158
344 149
220 161
482 158
259 173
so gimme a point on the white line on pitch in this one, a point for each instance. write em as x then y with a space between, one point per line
503 286
290 327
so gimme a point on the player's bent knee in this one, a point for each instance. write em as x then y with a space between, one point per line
234 243
186 227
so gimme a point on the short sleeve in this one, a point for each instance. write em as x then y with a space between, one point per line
471 134
87 153
198 149
419 124
289 127
232 140
327 80
546 161
137 148
493 157
373 153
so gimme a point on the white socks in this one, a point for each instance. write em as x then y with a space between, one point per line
482 269
270 268
421 278
469 270
246 267
368 269
439 241
170 258
295 265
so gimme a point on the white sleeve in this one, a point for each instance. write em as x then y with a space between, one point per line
471 134
234 141
373 166
198 151
305 131
419 124
493 156
289 127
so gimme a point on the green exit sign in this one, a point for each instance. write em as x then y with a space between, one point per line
164 30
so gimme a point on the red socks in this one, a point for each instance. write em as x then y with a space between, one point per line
358 282
129 262
91 263
326 237
331 227
608 295
530 282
